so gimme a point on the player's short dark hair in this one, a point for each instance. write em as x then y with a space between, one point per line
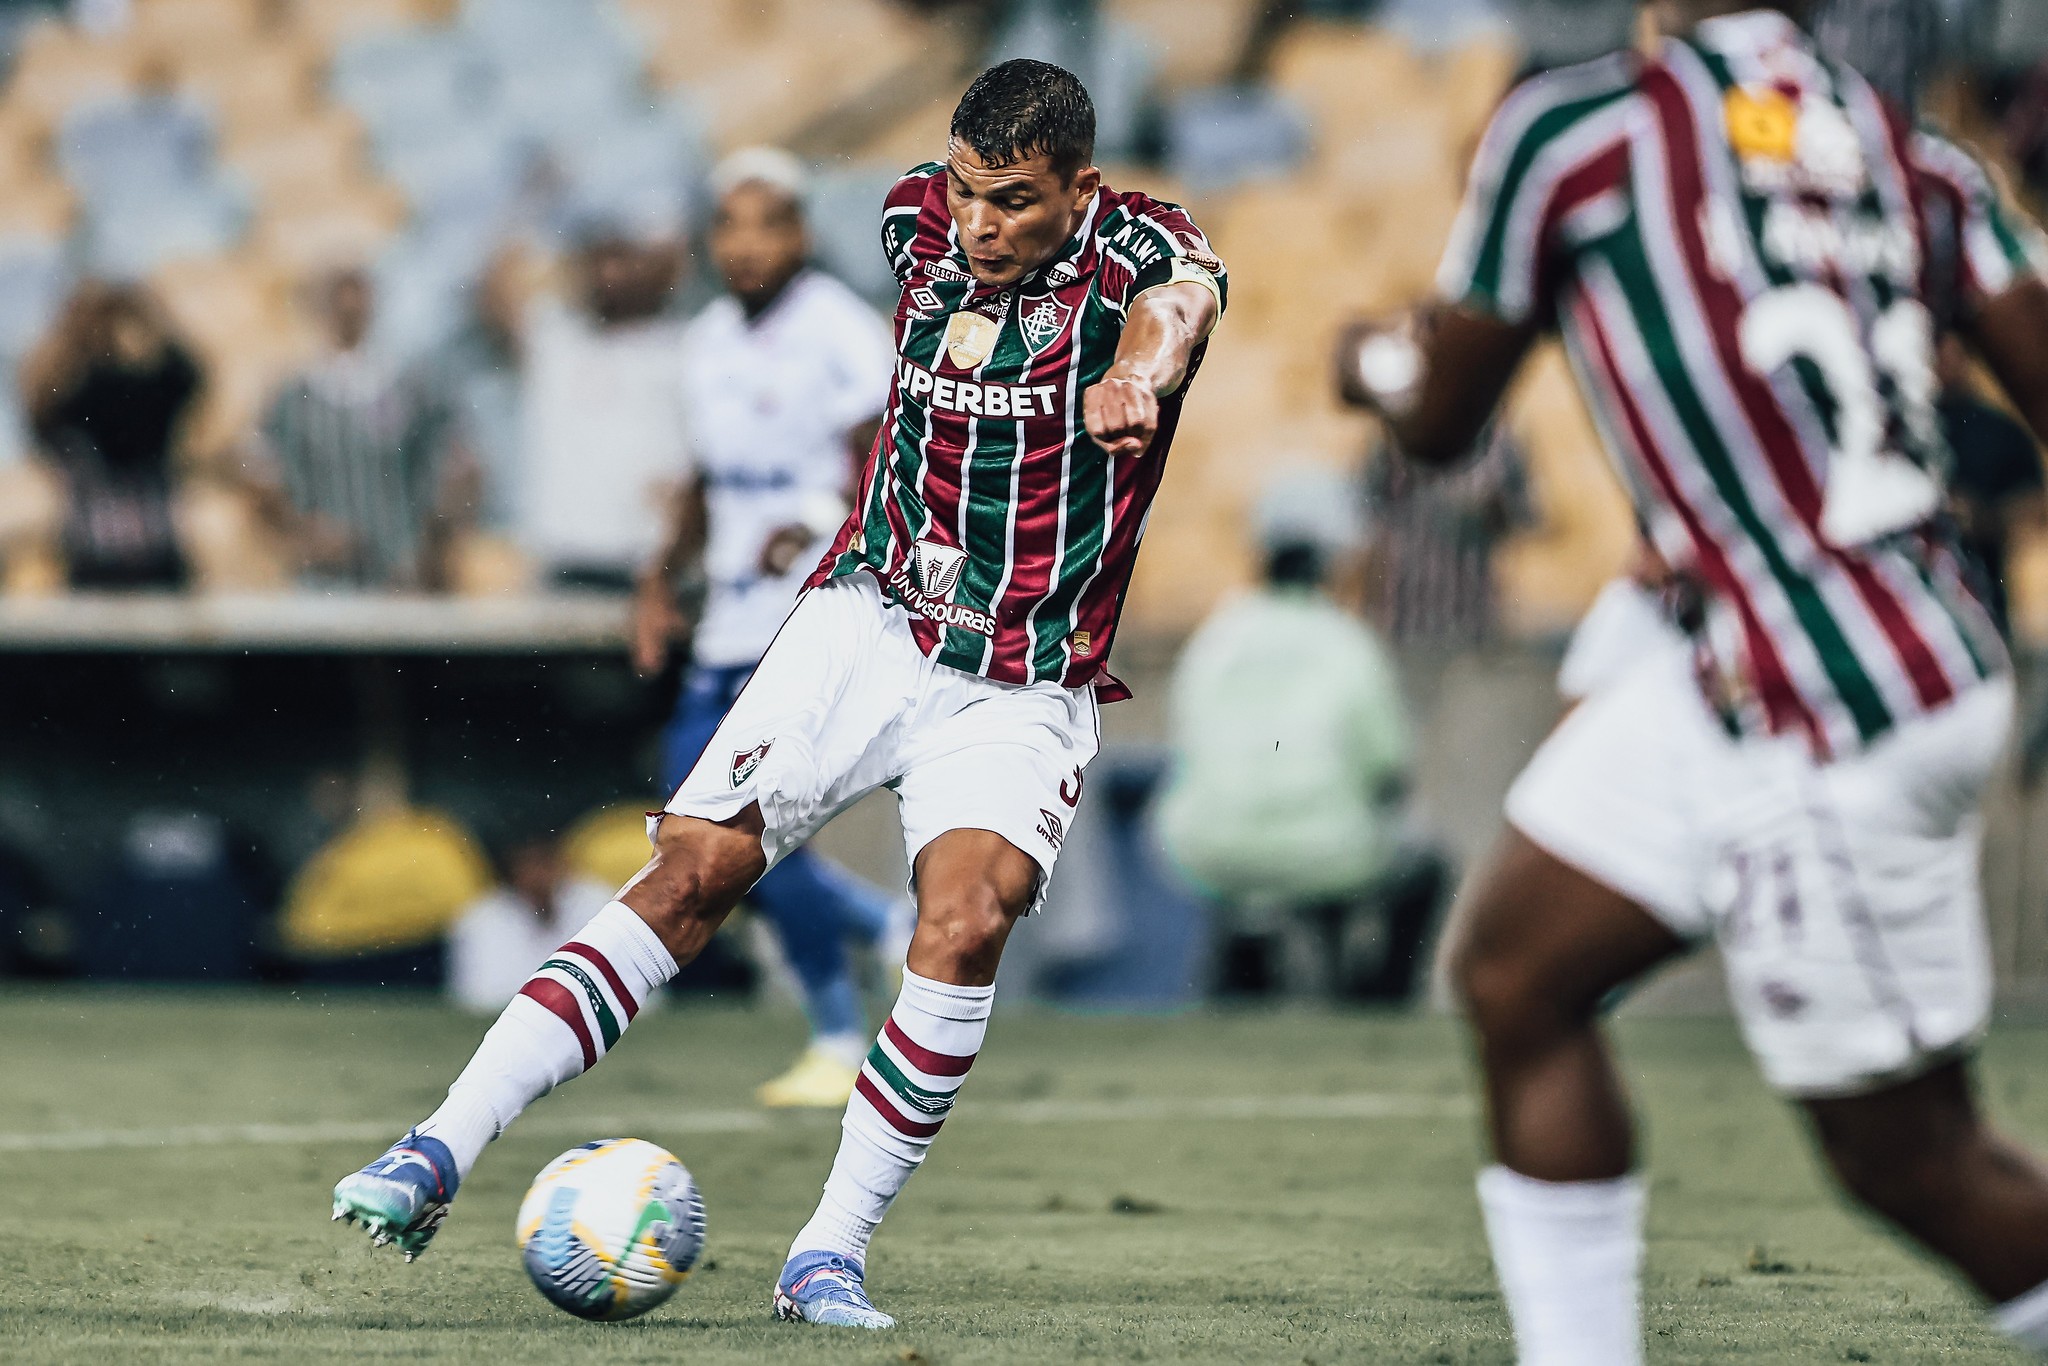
1020 108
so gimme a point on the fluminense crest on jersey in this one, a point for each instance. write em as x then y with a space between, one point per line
983 453
1044 318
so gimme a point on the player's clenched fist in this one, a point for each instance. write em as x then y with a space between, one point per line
1121 413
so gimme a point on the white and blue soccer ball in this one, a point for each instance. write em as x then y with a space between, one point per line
611 1228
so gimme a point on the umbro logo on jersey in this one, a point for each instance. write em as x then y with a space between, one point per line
1043 320
927 299
1052 828
747 760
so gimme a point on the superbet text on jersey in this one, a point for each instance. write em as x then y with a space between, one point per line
986 510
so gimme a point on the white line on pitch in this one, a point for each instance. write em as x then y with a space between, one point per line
1353 1106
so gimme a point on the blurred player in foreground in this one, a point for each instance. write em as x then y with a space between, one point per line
1736 242
786 376
950 647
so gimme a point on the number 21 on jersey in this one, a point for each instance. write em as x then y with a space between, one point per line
1872 491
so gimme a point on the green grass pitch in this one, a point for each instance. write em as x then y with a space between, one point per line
1267 1187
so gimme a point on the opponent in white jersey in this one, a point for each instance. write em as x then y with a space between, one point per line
785 376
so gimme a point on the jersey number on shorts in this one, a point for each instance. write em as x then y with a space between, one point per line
1871 491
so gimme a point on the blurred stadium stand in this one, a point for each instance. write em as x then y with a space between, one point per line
229 152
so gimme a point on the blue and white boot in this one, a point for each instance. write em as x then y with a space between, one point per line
824 1287
403 1196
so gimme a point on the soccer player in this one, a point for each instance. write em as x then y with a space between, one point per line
785 377
951 647
1749 258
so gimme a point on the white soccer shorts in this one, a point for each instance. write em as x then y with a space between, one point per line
844 702
1844 896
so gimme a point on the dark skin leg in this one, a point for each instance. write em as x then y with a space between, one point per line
972 885
699 872
1540 947
1920 1156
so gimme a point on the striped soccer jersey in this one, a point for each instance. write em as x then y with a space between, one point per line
1748 256
986 510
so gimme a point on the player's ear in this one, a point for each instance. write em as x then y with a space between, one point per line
1087 181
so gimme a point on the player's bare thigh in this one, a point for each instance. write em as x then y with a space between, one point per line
699 872
972 886
1539 940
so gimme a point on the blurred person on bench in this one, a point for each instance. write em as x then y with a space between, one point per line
501 939
351 462
107 393
1287 800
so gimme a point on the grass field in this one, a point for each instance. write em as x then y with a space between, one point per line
1262 1187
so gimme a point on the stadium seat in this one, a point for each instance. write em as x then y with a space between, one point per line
1198 45
58 67
283 159
34 279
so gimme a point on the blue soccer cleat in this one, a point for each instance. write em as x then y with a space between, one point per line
824 1287
403 1196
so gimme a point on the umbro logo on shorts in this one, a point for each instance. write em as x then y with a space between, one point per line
747 760
1052 828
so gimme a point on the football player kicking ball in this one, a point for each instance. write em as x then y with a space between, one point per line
1748 258
950 646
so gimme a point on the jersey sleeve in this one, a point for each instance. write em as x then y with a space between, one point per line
1554 147
901 208
1990 245
1164 247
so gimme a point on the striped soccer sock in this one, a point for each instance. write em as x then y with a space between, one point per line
906 1090
566 1017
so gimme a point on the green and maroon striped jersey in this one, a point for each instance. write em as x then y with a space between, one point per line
985 508
1749 256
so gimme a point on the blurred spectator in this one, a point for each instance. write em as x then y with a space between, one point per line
478 376
1291 751
1995 482
502 937
107 393
606 444
351 457
1895 44
1430 539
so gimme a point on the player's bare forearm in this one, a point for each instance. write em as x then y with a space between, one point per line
1434 378
2008 333
656 621
1165 326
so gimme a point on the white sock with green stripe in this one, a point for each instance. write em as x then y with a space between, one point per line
904 1094
566 1017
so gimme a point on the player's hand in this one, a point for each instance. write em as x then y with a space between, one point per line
784 544
1121 413
656 626
1378 364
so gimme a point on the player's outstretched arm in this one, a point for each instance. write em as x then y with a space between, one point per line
1165 326
1435 376
2008 332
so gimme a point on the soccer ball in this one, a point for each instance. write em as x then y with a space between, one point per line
611 1228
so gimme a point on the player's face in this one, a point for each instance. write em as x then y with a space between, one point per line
757 242
1012 218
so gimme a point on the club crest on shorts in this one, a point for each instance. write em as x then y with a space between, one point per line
746 761
1042 321
938 569
1052 828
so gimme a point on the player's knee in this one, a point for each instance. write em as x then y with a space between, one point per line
1504 994
962 929
690 884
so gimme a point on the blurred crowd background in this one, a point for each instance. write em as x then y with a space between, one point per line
336 412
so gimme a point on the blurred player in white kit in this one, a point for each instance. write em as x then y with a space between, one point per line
785 377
